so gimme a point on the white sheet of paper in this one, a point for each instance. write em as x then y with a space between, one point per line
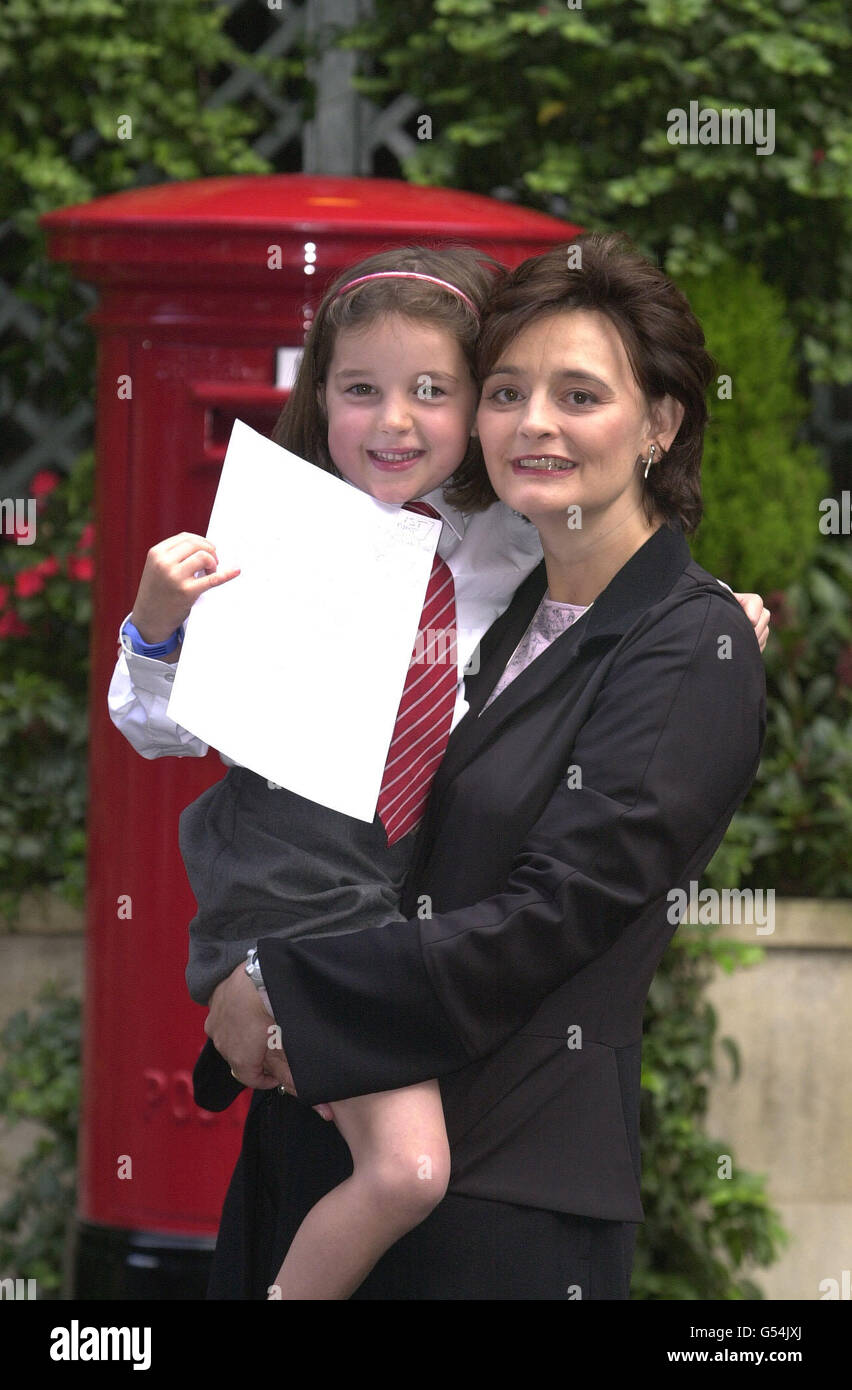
295 669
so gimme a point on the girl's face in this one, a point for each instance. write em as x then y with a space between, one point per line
400 403
563 394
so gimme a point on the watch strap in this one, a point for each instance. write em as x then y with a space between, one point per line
151 649
253 968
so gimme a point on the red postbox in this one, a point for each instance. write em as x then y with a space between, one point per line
206 290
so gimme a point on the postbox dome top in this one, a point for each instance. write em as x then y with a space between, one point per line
309 201
230 221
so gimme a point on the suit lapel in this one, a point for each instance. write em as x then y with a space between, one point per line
644 579
501 639
480 725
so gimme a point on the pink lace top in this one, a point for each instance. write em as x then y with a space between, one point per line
549 622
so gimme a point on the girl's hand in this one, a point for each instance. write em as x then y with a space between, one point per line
169 587
758 616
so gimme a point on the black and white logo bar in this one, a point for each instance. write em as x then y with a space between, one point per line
76 1343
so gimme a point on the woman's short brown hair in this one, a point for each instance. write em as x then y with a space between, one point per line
302 426
663 340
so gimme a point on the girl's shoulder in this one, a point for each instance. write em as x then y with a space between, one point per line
501 533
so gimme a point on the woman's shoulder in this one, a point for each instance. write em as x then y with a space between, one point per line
704 616
698 583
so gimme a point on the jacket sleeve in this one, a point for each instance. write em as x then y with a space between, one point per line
668 751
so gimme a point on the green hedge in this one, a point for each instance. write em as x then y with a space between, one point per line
556 101
761 484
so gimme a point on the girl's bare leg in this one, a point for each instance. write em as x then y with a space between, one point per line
398 1142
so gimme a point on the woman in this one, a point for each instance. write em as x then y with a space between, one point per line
614 727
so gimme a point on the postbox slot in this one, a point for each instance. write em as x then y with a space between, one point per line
218 423
256 403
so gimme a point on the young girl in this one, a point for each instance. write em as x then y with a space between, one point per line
385 398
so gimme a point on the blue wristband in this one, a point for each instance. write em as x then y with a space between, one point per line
152 649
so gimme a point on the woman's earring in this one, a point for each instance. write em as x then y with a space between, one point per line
650 458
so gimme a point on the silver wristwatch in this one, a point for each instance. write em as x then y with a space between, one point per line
253 969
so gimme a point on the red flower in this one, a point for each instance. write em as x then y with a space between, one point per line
81 567
11 626
29 582
818 156
87 536
44 483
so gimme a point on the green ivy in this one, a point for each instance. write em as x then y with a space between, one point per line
45 612
761 485
792 831
40 1081
71 65
701 1227
550 101
70 70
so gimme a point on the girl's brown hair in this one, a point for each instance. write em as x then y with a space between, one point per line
663 340
302 426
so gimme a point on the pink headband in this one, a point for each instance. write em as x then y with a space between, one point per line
408 275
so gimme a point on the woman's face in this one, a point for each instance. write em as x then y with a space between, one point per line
562 421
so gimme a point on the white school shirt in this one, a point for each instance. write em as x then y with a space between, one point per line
488 553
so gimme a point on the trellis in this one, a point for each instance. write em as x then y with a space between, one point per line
347 136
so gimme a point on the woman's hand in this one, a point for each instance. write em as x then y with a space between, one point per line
169 585
239 1025
758 616
242 1032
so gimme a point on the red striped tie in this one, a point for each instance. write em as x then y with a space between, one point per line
425 713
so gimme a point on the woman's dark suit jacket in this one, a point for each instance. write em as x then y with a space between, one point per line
602 778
